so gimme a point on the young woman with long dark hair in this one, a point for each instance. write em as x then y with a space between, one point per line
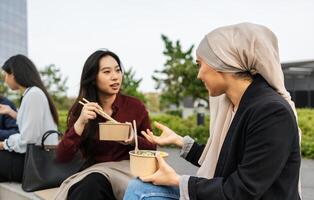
105 173
37 114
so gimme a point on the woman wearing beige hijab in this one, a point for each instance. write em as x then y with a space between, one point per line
253 150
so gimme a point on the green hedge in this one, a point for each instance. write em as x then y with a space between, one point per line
306 124
200 133
183 126
63 114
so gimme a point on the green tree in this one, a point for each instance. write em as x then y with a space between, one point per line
130 85
178 78
153 102
56 85
4 90
7 92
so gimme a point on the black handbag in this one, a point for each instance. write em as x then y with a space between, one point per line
42 171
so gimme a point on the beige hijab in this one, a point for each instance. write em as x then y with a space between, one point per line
237 48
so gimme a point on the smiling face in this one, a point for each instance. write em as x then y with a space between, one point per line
213 80
109 77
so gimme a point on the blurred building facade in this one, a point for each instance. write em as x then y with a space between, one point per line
299 81
13 28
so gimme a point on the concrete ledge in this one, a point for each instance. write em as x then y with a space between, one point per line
14 191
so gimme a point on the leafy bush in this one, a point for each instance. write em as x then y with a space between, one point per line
63 114
306 124
174 112
200 133
184 126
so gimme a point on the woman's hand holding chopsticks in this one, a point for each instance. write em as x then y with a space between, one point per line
100 111
88 112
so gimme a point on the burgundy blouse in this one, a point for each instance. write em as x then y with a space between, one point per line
125 109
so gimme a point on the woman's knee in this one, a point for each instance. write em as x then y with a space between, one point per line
95 182
91 183
140 190
94 178
135 189
93 186
136 184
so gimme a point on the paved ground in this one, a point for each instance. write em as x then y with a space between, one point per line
307 171
307 179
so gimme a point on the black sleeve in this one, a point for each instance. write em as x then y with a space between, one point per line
271 132
4 134
195 153
9 124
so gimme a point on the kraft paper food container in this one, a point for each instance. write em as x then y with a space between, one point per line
109 131
144 163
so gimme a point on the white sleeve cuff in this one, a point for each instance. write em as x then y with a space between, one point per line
187 145
184 187
5 145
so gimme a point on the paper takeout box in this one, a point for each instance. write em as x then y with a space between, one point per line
109 131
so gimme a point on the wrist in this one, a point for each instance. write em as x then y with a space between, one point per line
1 146
79 127
12 113
176 180
179 141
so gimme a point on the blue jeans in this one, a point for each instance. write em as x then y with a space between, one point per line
138 190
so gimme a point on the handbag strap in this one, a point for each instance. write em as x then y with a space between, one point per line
46 134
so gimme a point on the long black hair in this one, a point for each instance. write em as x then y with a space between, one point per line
89 90
26 74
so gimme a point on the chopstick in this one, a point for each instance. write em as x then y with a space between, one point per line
101 112
135 137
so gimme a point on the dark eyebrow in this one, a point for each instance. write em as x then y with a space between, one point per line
104 68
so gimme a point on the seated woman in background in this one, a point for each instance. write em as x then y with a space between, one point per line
8 124
105 174
253 151
36 115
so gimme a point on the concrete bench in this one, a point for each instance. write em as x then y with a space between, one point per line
15 191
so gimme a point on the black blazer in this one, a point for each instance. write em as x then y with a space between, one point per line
260 157
8 125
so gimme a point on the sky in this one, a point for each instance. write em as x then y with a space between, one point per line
65 33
